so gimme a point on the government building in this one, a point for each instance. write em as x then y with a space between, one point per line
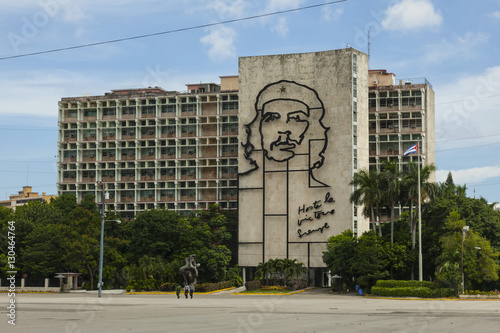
280 142
152 148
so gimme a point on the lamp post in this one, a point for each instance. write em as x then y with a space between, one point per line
464 232
101 250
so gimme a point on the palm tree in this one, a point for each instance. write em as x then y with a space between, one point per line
391 179
293 268
367 192
410 191
263 270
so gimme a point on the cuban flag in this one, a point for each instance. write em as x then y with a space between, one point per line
412 150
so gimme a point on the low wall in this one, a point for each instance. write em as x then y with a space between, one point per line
479 296
33 289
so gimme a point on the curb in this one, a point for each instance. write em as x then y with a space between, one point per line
281 294
173 292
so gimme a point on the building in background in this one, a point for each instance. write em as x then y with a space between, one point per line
280 142
304 134
152 148
401 115
25 196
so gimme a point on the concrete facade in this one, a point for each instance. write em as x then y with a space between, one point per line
401 114
152 148
24 197
304 133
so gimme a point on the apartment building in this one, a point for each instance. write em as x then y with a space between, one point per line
401 114
152 148
24 197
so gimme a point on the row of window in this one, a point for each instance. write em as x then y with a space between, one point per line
149 185
147 101
151 122
145 110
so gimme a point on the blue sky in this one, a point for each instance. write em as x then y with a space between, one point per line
454 44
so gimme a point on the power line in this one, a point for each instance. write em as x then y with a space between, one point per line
466 100
486 144
22 171
28 129
172 31
14 161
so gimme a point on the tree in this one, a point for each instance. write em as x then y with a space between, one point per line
367 192
214 262
410 191
391 182
340 253
158 232
42 253
369 263
478 257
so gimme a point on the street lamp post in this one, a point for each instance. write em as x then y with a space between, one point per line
464 232
101 250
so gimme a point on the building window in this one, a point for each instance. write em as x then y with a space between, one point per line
229 105
128 110
169 108
108 111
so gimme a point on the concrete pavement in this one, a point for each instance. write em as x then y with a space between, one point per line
315 310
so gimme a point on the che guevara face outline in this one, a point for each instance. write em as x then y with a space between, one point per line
283 125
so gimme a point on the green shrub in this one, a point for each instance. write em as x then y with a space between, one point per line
207 287
168 286
423 292
253 285
237 281
297 284
404 283
479 292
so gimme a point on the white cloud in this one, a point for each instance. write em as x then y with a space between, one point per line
469 176
281 27
73 12
36 93
330 14
462 47
495 14
411 15
220 42
277 5
468 107
227 8
281 24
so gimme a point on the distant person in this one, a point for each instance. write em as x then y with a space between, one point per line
191 290
178 291
186 291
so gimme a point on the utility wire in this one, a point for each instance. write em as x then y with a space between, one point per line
172 31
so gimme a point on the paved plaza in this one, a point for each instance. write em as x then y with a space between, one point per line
316 310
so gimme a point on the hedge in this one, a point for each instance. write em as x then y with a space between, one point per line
207 287
253 285
480 292
405 283
297 284
424 292
202 287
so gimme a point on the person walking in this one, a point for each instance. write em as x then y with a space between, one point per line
186 291
178 291
191 290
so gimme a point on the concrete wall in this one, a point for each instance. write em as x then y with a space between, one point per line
229 82
293 197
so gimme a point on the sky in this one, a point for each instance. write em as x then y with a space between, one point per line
455 45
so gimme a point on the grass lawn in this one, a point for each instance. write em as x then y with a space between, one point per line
270 290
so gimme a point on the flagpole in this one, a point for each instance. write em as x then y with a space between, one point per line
420 269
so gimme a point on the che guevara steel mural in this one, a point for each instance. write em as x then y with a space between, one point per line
287 136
